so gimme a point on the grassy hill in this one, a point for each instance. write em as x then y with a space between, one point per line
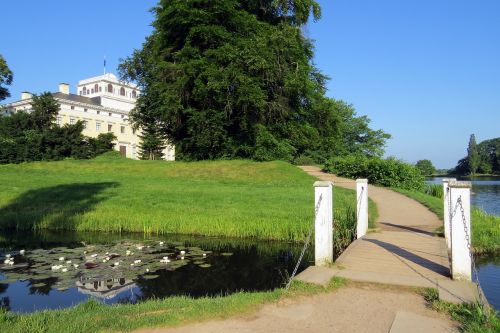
239 198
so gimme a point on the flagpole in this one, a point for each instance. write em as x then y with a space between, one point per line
104 65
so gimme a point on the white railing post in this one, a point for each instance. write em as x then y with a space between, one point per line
446 211
361 207
461 262
323 223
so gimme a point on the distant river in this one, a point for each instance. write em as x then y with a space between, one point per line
486 194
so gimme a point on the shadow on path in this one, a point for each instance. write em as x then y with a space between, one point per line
423 262
408 228
55 207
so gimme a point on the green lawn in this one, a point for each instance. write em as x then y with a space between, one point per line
485 227
239 198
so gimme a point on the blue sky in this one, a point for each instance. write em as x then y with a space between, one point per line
427 72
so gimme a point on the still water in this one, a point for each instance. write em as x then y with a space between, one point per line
486 195
56 270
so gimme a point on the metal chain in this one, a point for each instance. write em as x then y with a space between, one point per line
469 246
306 244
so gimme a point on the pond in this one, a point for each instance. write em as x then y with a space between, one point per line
485 192
48 270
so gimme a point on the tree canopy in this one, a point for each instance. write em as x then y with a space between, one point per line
35 136
6 78
426 167
228 78
488 159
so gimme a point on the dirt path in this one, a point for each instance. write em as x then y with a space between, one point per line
396 211
361 308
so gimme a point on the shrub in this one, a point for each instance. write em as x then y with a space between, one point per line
304 160
389 172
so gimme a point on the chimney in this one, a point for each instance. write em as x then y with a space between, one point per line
26 95
64 88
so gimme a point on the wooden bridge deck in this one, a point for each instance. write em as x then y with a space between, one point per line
404 251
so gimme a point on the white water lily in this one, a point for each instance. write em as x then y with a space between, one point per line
183 252
61 258
93 255
116 263
22 252
75 265
7 256
68 262
161 243
6 261
147 270
64 270
204 254
182 258
137 261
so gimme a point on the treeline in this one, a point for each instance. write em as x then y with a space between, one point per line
482 158
235 79
35 136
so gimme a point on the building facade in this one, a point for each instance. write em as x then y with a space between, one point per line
103 104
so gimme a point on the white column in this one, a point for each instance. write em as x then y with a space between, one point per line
460 221
446 211
361 207
323 224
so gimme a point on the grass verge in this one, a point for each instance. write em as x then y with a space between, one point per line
239 198
472 317
93 316
485 227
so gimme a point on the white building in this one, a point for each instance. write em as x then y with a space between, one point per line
103 104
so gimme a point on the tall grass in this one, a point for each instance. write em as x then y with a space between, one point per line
272 200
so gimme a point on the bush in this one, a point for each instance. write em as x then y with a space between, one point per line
304 160
389 172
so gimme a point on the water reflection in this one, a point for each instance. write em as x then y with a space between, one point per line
233 265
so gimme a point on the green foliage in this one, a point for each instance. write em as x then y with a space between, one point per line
434 190
473 155
34 136
227 78
426 167
389 172
473 317
488 159
6 78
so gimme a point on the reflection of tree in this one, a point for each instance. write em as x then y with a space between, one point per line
5 303
42 290
3 287
246 269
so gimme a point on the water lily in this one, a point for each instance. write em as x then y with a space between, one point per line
61 258
22 252
183 252
137 261
64 270
68 262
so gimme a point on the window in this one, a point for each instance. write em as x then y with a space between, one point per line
72 107
80 92
58 120
123 116
122 91
110 88
110 128
96 87
100 89
110 114
98 112
133 131
122 129
85 124
134 94
98 127
92 90
72 121
85 110
84 90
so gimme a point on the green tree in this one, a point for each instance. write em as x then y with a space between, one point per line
426 167
6 78
473 155
227 78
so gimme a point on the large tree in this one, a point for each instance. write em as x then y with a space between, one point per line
426 167
228 78
6 78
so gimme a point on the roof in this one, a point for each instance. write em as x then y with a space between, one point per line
78 98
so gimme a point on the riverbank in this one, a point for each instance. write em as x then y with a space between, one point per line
485 227
238 198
